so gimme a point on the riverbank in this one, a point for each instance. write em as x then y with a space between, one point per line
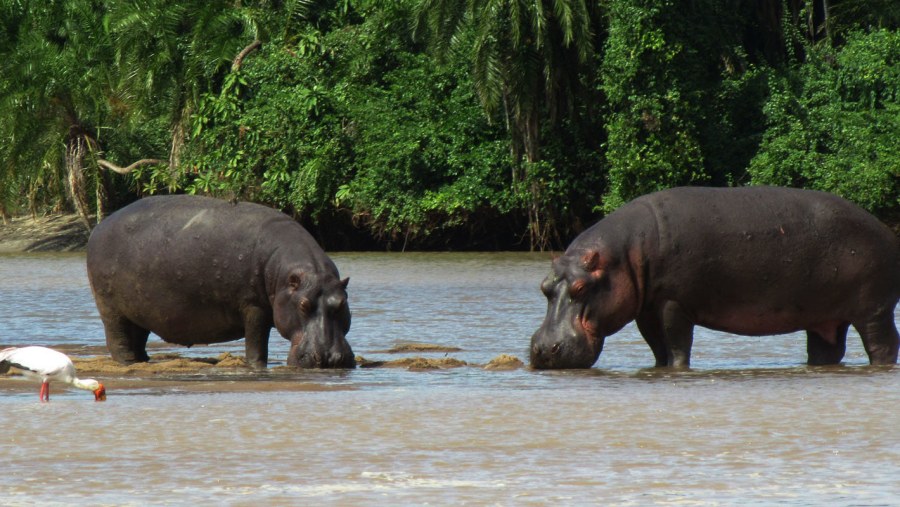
50 233
67 233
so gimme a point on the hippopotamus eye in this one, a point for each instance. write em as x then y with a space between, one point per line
577 288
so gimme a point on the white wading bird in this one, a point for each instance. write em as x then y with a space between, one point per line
47 365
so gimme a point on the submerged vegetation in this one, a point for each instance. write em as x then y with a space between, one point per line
444 123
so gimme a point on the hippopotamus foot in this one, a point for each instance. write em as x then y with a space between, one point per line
126 341
256 362
826 345
669 333
880 338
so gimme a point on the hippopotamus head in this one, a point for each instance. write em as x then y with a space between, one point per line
589 297
311 311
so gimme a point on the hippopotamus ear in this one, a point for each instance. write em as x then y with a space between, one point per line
344 282
594 263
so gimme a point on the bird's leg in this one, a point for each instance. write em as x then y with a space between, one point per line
45 392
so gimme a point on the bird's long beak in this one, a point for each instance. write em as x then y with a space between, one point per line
100 393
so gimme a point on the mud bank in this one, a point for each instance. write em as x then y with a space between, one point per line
160 364
51 233
404 348
171 363
414 363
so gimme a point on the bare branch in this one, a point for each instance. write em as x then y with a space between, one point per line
239 59
125 170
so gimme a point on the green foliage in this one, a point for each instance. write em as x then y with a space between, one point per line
351 118
55 60
529 62
529 116
652 140
833 123
517 47
681 99
425 157
254 138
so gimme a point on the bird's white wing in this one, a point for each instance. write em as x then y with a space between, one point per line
5 353
40 360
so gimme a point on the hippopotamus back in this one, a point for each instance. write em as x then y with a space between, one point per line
760 250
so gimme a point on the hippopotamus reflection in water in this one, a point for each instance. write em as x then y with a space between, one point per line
749 261
200 270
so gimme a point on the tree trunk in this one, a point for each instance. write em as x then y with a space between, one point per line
102 194
75 151
239 59
106 164
539 224
515 143
178 134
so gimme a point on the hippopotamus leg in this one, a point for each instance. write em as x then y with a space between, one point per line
880 339
651 329
669 333
126 341
257 325
826 345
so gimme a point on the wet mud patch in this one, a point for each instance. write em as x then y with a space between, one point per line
170 373
414 363
166 363
414 347
504 362
170 365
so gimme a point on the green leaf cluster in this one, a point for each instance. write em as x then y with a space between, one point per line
354 119
833 123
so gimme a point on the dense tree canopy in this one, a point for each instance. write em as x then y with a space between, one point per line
444 123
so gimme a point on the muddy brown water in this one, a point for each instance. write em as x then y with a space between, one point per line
749 424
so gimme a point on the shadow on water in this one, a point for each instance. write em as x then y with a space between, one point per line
737 374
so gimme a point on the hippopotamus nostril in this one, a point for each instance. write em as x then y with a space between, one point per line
341 360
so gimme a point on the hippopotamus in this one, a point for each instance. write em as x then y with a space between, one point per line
196 269
750 261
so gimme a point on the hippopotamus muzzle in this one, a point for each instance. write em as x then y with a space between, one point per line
573 331
568 349
312 312
316 353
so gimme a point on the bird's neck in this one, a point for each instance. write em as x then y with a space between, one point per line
86 384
